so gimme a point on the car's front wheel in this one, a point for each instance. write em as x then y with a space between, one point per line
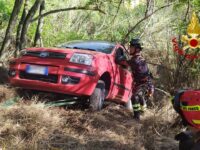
98 96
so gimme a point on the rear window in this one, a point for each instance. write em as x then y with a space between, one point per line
99 46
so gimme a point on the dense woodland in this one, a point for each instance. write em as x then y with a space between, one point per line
26 23
46 23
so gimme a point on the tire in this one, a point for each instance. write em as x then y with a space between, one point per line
129 105
98 96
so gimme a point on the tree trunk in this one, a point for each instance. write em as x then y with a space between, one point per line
11 25
19 28
38 38
150 7
27 22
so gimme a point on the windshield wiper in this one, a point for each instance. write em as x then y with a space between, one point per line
62 46
90 49
68 47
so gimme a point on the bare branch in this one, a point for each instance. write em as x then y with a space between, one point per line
141 20
160 65
165 92
67 9
187 11
118 8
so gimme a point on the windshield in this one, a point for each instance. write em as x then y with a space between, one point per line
99 46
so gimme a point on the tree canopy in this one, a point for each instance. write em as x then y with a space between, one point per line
48 23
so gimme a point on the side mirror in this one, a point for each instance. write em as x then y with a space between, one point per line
122 61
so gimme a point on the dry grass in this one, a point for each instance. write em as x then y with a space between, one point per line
6 93
24 125
30 125
160 128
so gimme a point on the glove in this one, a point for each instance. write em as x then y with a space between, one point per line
150 90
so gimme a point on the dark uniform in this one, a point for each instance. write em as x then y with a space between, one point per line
142 83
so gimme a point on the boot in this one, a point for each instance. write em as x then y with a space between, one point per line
143 108
136 115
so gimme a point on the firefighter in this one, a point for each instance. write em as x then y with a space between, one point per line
186 103
141 76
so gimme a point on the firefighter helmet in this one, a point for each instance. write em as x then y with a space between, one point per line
136 43
187 104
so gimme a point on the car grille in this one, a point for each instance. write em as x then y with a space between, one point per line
49 78
45 54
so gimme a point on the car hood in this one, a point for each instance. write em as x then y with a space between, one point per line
60 59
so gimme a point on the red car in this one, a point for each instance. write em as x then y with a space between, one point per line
95 69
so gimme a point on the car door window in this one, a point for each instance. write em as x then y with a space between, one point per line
120 52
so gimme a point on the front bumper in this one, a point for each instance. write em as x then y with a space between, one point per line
82 82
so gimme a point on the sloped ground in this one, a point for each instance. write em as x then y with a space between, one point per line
28 124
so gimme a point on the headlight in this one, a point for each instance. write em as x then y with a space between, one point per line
85 59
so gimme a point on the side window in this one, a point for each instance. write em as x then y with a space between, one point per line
122 55
120 52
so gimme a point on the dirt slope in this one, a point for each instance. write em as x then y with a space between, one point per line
31 125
